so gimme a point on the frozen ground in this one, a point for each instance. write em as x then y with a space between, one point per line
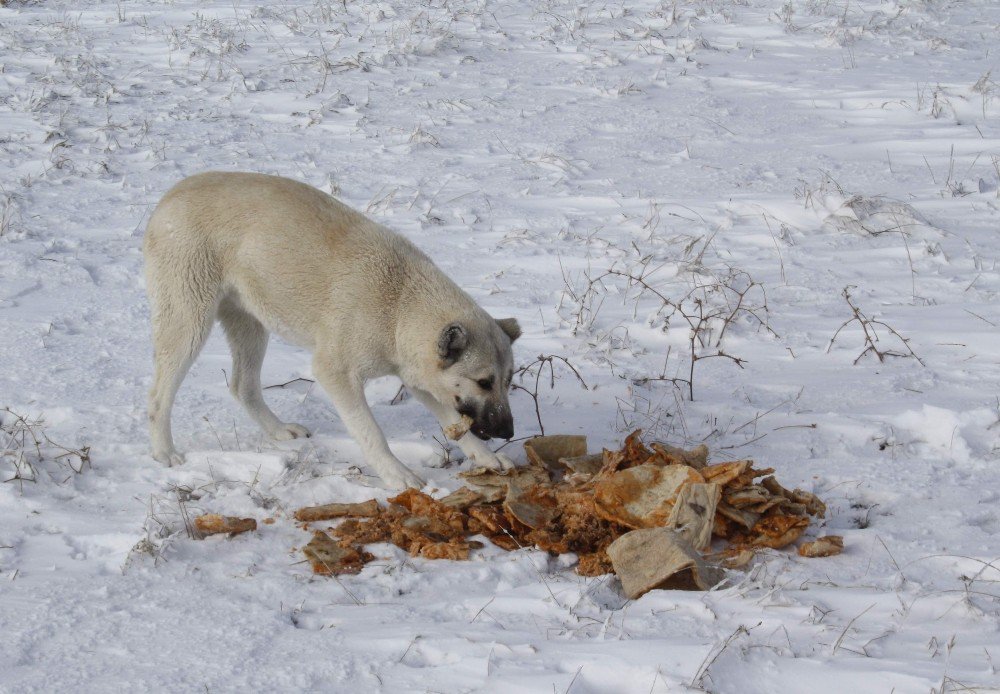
712 147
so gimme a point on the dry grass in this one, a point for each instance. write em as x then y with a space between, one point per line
30 453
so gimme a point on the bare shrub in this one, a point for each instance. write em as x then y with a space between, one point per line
869 328
708 305
536 369
29 451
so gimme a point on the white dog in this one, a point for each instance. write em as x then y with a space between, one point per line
263 253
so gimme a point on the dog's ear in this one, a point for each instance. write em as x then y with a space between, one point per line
510 327
452 343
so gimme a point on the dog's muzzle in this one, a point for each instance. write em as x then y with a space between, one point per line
496 424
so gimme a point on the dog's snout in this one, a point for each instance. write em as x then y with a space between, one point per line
506 430
501 424
490 422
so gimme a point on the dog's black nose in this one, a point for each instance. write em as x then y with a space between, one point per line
505 430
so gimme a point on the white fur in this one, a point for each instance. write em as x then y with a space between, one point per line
263 253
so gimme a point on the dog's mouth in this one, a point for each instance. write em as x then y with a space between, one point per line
480 434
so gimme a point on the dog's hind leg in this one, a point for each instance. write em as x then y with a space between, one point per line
248 342
182 320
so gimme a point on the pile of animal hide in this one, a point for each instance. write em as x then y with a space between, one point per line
651 515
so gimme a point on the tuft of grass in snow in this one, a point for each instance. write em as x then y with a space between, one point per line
7 212
29 452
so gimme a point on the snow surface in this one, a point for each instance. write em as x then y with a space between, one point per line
529 147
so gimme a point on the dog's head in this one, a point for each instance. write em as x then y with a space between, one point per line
475 365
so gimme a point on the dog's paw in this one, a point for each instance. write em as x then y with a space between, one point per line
287 432
494 461
478 452
505 462
401 478
169 458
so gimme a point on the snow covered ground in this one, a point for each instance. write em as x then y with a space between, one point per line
780 151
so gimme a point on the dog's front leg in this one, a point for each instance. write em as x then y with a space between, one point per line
348 396
473 448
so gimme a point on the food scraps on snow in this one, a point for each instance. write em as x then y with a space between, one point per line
825 546
647 514
214 524
310 514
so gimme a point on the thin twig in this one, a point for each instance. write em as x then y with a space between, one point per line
844 632
288 383
871 336
702 672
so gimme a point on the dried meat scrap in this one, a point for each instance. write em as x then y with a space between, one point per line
634 451
693 513
664 454
548 539
456 550
360 531
547 451
747 519
505 542
576 527
214 524
365 509
642 496
492 484
631 454
659 558
774 532
533 506
460 428
724 473
429 538
826 546
732 557
721 526
595 564
581 468
488 519
752 495
413 533
420 504
812 503
491 522
328 557
437 529
747 478
462 498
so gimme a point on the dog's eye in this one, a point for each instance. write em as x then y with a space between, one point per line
485 383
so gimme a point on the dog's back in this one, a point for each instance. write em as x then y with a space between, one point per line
276 246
